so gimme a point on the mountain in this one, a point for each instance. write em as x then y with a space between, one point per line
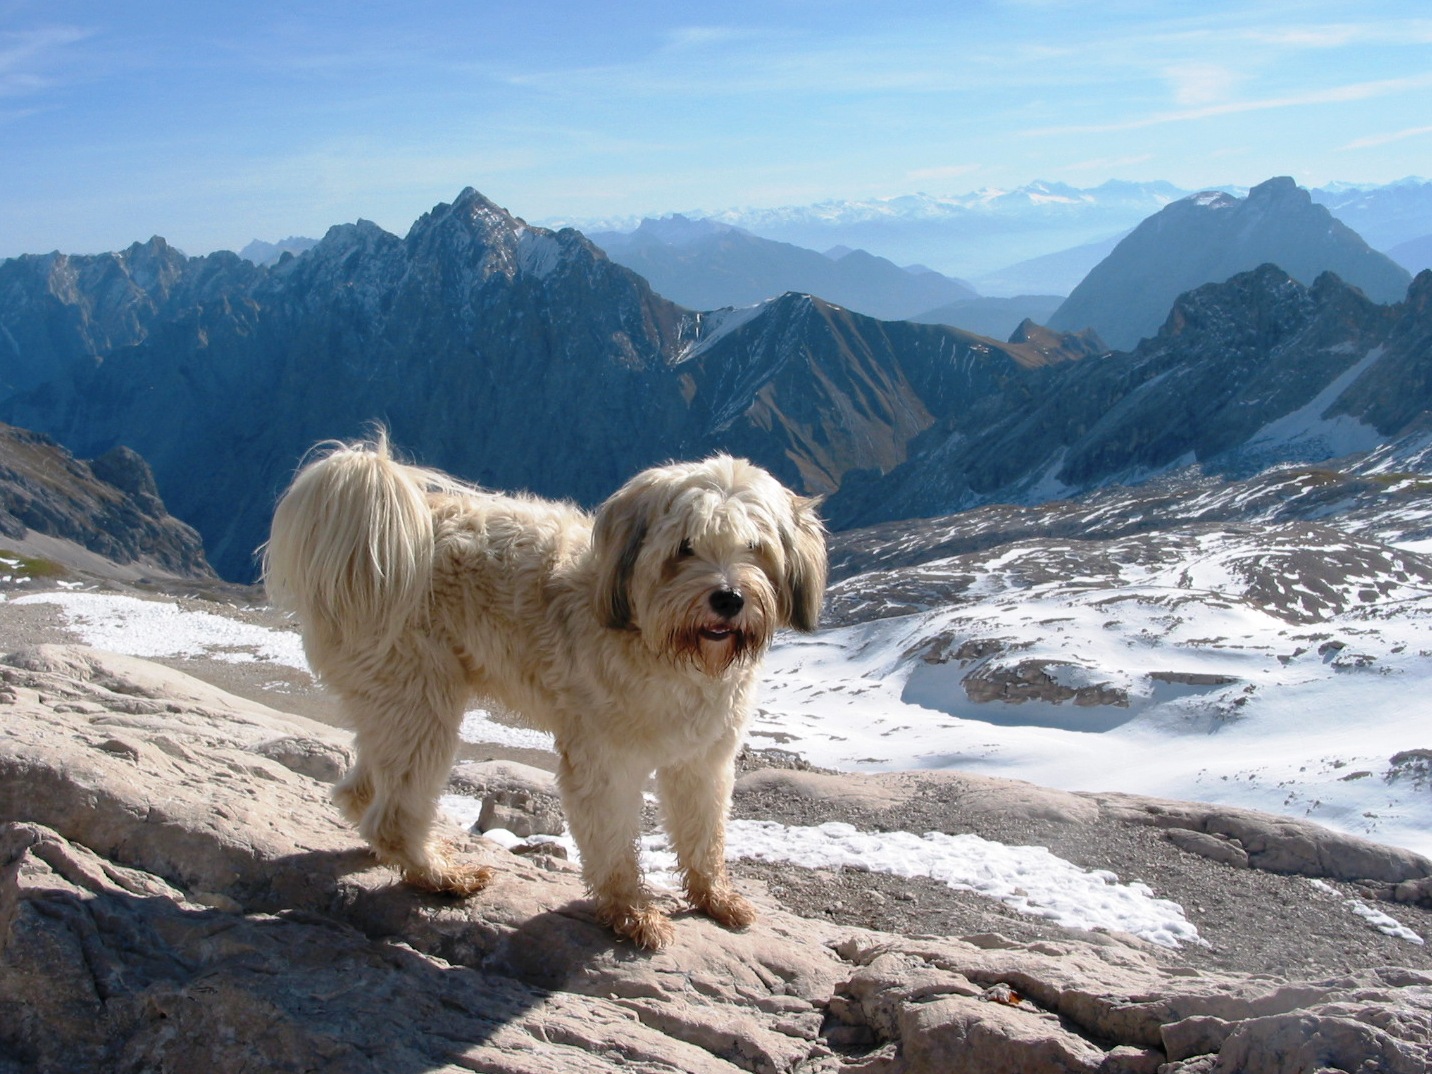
960 235
704 265
511 355
1384 215
54 506
268 253
61 315
985 236
523 358
1257 370
1055 273
1414 255
997 318
1210 237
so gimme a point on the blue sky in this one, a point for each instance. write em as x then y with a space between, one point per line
215 124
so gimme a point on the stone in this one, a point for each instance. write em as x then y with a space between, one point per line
173 898
1209 846
323 761
519 798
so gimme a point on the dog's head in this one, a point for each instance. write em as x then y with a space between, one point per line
707 559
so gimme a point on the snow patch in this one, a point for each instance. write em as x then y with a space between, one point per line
154 629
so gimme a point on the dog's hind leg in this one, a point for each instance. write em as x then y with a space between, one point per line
695 797
406 735
354 792
603 808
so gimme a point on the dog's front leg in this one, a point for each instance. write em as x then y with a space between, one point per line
602 800
695 798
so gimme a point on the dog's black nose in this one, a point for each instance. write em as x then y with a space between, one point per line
727 603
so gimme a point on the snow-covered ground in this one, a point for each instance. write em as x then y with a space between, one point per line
1217 667
1178 681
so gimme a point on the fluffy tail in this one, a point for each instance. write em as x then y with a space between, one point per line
351 548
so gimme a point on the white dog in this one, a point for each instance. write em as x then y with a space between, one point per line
634 638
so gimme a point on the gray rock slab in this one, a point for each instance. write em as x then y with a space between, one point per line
172 898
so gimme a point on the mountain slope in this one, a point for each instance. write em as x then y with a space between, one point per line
60 314
704 265
108 505
1207 239
1414 255
1243 374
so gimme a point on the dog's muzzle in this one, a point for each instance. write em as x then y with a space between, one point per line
727 604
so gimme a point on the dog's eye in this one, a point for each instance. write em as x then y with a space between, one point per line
685 550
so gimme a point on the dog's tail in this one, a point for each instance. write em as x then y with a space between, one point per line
350 552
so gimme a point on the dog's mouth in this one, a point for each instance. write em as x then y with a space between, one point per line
718 633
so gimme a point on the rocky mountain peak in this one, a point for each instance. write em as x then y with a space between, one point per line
1419 294
1280 188
1209 238
1065 344
1261 302
487 240
154 266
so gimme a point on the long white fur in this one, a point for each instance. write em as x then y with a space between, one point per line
418 595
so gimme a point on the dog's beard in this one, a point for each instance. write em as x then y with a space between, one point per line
686 631
715 655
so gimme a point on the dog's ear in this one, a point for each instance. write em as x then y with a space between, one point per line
804 543
617 537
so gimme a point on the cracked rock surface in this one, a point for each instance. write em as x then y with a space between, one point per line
177 894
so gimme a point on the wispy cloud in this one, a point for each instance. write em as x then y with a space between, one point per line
1201 84
1358 91
1383 139
1343 35
25 56
697 37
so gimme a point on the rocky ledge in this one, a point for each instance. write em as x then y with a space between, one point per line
177 894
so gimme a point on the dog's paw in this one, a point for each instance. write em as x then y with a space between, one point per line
643 925
449 878
725 907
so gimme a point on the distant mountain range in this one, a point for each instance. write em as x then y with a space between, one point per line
963 236
524 358
1210 237
267 253
998 318
702 264
981 235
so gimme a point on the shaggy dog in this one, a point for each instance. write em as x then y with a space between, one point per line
633 637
